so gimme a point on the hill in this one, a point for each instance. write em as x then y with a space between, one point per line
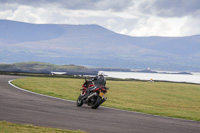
46 68
93 45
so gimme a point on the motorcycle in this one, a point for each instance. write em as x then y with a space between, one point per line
96 95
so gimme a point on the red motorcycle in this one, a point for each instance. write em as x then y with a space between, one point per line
96 95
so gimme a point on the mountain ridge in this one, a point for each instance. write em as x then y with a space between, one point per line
94 45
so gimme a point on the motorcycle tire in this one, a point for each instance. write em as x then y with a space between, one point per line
97 103
79 102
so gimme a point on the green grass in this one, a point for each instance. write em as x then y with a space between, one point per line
177 100
7 127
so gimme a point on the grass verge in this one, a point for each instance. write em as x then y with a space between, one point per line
177 100
7 127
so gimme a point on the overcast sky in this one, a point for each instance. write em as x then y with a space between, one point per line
130 17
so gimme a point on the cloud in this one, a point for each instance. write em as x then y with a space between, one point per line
130 17
173 8
152 26
116 5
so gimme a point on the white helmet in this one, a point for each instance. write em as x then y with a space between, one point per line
101 73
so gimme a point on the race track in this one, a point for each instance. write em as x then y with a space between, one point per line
18 106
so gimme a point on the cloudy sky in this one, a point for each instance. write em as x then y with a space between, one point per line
130 17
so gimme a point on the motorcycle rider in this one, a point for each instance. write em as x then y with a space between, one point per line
99 81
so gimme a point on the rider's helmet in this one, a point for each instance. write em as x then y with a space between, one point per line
101 73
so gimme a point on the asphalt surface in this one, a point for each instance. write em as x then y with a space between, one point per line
22 107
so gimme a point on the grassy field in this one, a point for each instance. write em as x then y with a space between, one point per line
7 127
177 100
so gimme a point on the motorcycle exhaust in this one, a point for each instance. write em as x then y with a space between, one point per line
103 100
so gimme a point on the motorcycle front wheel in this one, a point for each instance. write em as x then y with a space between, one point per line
79 102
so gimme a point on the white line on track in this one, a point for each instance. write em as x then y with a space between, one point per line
37 93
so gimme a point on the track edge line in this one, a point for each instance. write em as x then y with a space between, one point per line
9 82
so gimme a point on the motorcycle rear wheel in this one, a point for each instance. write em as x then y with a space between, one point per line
97 103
